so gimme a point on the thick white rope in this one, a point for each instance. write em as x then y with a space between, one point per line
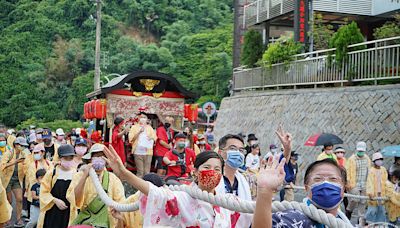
106 199
228 202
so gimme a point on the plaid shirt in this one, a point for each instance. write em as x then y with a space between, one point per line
361 172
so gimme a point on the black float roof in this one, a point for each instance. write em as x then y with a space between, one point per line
167 83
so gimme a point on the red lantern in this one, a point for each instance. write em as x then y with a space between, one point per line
91 109
193 112
100 109
186 111
86 110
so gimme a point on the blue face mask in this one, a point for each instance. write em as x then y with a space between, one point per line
3 143
234 159
326 195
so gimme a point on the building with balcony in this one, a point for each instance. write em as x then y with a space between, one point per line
276 17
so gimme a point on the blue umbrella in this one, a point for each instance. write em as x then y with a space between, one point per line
391 151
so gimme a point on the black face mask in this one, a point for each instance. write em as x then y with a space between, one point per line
167 125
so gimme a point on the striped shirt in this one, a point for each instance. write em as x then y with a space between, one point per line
361 172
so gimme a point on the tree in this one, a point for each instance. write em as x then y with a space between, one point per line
81 86
253 48
389 29
64 65
203 61
321 33
345 36
47 50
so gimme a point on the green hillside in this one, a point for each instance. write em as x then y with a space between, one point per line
47 50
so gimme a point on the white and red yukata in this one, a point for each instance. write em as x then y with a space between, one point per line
178 209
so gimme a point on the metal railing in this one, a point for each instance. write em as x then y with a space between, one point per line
258 11
368 61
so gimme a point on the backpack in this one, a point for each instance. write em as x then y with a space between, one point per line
181 160
96 213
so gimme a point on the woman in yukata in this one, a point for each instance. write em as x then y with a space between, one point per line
162 207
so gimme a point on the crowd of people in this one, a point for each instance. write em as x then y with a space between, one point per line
46 174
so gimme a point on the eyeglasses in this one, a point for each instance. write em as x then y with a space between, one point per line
320 178
254 146
232 147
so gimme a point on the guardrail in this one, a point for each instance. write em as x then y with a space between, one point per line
379 60
258 11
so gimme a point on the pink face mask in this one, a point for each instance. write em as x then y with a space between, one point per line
340 155
80 150
67 164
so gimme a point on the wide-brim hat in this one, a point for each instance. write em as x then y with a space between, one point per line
97 147
377 156
21 141
38 148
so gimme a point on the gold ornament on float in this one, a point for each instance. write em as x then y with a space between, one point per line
157 95
149 83
137 94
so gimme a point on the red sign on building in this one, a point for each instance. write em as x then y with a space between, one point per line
301 20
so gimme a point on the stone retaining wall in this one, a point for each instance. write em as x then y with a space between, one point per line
368 113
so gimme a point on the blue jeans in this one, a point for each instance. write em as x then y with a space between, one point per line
375 214
35 211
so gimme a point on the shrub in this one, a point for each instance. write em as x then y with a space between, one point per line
66 125
345 36
321 33
281 51
253 48
389 29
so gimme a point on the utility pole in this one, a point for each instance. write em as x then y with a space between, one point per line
236 33
97 55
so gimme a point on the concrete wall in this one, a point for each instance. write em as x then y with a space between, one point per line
368 113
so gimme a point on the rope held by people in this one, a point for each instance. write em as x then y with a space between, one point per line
106 199
226 201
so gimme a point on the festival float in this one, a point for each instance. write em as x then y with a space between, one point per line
158 95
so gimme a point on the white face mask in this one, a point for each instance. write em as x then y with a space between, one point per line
37 157
143 120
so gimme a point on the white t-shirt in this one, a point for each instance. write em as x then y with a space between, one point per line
144 143
65 175
252 161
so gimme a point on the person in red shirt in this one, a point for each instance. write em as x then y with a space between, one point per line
202 144
117 138
179 160
165 136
